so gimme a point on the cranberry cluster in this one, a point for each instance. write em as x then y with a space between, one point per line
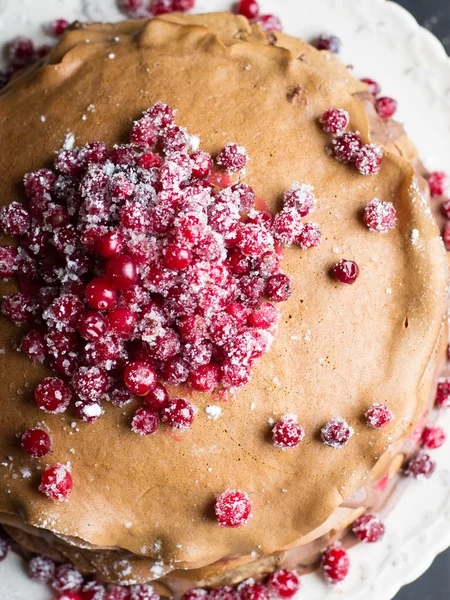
439 183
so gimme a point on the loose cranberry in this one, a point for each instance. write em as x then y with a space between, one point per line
248 8
88 411
121 272
201 164
65 364
90 384
374 86
233 508
368 161
335 120
36 442
143 591
378 415
195 594
144 134
122 322
443 394
234 375
33 345
42 569
439 183
287 433
421 466
145 421
336 433
161 114
117 592
14 219
433 437
310 236
52 395
176 257
368 528
20 52
346 271
232 158
386 107
205 378
335 564
120 396
57 27
92 325
111 244
269 23
380 216
69 596
67 579
328 42
179 414
101 295
158 398
224 592
347 146
160 7
139 378
283 583
56 484
67 163
263 316
279 287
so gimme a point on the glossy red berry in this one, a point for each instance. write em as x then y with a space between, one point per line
328 42
374 86
335 564
177 257
158 398
101 295
145 421
233 508
335 120
433 437
269 23
19 52
336 433
386 107
52 395
420 466
346 271
140 378
283 584
287 433
92 325
122 322
380 216
36 442
92 590
111 244
57 27
368 528
179 414
248 8
56 483
378 416
121 272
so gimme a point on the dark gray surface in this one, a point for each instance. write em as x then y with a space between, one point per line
435 583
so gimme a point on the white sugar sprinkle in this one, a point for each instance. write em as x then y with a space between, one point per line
69 141
414 235
388 290
213 411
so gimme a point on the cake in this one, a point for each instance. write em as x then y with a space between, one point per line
266 472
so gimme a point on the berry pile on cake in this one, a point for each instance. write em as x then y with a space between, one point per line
205 375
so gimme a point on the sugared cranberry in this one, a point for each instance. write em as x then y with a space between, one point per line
421 466
136 217
161 114
439 183
145 421
369 158
160 7
380 216
92 325
132 8
205 378
67 579
253 591
39 182
101 295
287 226
335 564
42 569
56 483
193 329
122 322
139 378
287 433
158 398
446 236
201 164
443 394
19 307
233 508
121 272
117 592
347 146
336 433
263 316
111 244
94 152
176 257
144 134
174 139
57 27
143 591
248 8
283 583
14 219
69 596
149 160
33 345
67 163
52 395
179 414
232 158
120 396
90 383
269 23
8 258
93 590
433 437
195 594
279 287
175 371
335 120
374 86
64 312
368 528
182 5
328 42
20 52
223 592
36 442
310 236
386 107
346 271
378 415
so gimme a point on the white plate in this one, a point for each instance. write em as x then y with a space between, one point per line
382 41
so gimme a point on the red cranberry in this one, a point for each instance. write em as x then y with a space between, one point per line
251 289
19 307
336 433
90 383
132 8
144 134
346 271
234 375
386 107
110 245
39 182
374 86
328 42
263 316
143 591
91 237
69 596
443 394
42 569
14 219
347 146
232 158
117 592
368 528
248 8
175 371
158 398
195 594
279 287
94 152
179 414
93 590
224 592
145 421
8 256
123 155
205 378
287 433
233 508
121 272
161 114
139 378
67 163
65 364
283 583
166 346
160 7
149 161
67 579
33 345
310 236
36 442
439 183
120 396
174 139
64 312
20 52
253 591
238 263
287 226
88 411
380 216
122 322
378 415
421 466
269 23
222 328
92 325
193 329
52 395
56 484
433 437
182 5
136 217
335 120
201 164
239 312
57 27
335 564
369 158
101 295
176 257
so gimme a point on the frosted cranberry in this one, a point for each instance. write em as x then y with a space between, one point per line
123 155
136 217
94 153
39 182
245 195
174 139
92 325
177 257
19 308
52 395
346 271
69 596
132 8
175 371
368 161
263 316
122 322
368 528
192 328
269 23
248 8
161 114
195 594
421 466
328 42
347 146
93 590
378 415
120 396
224 592
238 263
67 579
374 86
279 287
57 27
335 564
201 164
67 163
36 442
64 312
20 51
310 236
87 411
446 236
439 183
160 7
144 591
65 364
251 289
233 508
144 134
91 237
158 398
145 421
386 107
56 484
283 583
301 198
181 301
205 378
42 569
110 245
287 226
117 592
336 432
179 414
14 219
233 375
287 433
197 354
433 437
219 179
101 295
239 312
121 272
8 256
90 383
33 345
182 5
380 216
149 161
335 120
139 378
232 158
